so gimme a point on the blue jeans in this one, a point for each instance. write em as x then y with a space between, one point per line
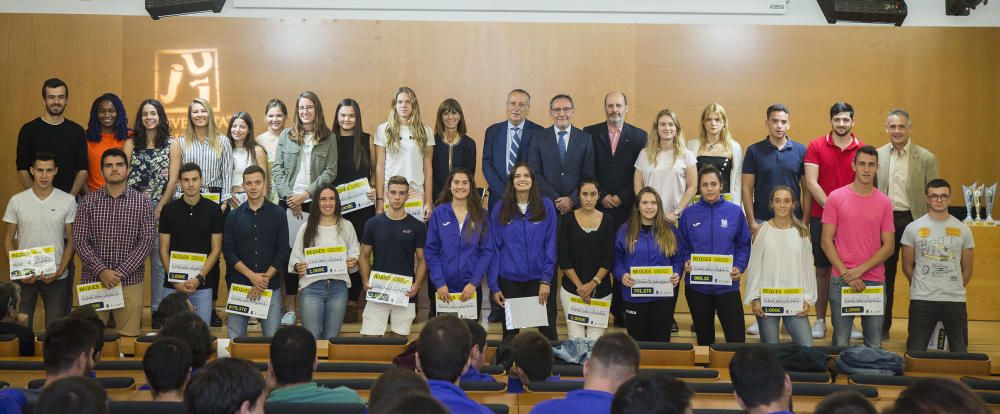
871 326
236 325
156 273
202 301
322 305
798 328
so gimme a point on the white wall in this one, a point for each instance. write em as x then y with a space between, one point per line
799 12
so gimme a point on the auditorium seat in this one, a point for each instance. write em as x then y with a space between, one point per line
492 370
991 398
250 347
111 349
142 343
950 363
4 384
483 386
537 392
720 354
491 350
309 408
9 345
810 377
982 384
145 407
496 408
666 354
116 383
345 348
357 384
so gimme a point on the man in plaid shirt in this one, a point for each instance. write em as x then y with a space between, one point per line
113 235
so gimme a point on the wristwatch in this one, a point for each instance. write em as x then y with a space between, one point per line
200 279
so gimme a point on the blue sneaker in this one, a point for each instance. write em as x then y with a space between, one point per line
288 319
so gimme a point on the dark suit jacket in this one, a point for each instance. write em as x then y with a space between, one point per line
495 155
559 178
615 173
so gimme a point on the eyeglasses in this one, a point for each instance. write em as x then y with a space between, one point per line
561 110
939 197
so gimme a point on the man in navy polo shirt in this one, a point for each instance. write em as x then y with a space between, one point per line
775 160
613 360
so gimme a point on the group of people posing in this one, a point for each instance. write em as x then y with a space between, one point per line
596 203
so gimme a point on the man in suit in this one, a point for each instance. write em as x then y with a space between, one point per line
616 147
903 173
506 143
561 155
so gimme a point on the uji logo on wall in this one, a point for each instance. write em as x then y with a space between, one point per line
181 75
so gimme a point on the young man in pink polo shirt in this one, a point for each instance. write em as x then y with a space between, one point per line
858 233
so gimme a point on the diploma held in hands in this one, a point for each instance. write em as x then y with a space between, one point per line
593 314
240 303
185 266
32 262
414 208
389 288
94 294
525 313
652 281
464 310
868 302
354 195
213 197
326 260
781 301
711 269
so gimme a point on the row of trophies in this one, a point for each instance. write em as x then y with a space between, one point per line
978 196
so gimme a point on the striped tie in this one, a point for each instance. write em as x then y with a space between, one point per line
515 143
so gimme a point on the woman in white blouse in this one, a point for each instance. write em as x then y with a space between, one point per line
246 152
781 257
667 166
403 147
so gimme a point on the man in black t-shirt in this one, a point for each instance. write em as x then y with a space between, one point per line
398 242
53 133
192 224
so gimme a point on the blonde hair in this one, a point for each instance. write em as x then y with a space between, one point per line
796 223
418 131
653 144
714 108
214 141
663 232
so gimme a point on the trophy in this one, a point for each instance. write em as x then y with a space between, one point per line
967 194
977 200
989 195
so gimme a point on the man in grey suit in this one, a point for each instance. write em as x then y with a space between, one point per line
561 156
905 170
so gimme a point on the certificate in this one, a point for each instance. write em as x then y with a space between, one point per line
354 195
213 197
593 314
389 288
525 313
414 208
240 304
464 310
326 260
36 261
185 266
781 301
868 302
94 294
652 281
711 269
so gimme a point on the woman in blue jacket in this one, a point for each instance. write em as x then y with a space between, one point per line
523 233
715 226
458 250
647 239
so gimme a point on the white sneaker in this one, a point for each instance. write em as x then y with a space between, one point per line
288 318
753 329
856 334
784 328
819 328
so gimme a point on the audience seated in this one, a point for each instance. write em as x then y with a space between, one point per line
82 395
938 396
9 323
412 403
173 304
189 327
226 386
89 315
652 393
845 402
293 360
393 384
442 356
167 365
759 381
477 354
533 361
68 351
613 360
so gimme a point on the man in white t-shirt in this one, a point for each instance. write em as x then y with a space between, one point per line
937 260
43 216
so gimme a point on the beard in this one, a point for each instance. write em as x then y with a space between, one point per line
48 108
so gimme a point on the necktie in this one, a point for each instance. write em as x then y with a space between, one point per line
515 143
562 144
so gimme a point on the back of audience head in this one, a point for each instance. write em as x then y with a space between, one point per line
414 403
82 395
759 381
8 302
391 385
845 402
226 386
89 315
293 356
652 393
938 396
613 360
443 348
477 349
532 354
171 305
188 327
68 348
167 365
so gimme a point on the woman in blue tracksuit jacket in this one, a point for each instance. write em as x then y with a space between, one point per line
523 233
715 226
458 250
647 239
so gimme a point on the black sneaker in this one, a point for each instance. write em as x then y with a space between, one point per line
674 328
111 321
216 320
156 321
496 316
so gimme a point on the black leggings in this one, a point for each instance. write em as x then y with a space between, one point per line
649 321
703 309
512 289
